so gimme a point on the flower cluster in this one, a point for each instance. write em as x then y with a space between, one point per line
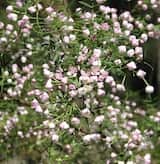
63 82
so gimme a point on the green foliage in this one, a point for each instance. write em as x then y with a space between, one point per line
64 92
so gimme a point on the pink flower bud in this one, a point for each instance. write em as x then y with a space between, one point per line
9 8
32 9
122 49
12 16
49 84
140 73
64 125
131 66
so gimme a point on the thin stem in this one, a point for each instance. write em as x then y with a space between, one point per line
123 81
145 81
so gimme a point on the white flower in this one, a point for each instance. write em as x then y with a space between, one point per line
9 27
153 1
144 37
97 63
109 79
51 125
55 138
73 93
86 138
127 32
29 46
49 10
118 61
64 125
75 121
122 49
86 32
86 112
3 40
131 65
20 133
100 92
147 159
121 162
138 50
47 73
49 84
9 81
32 9
70 28
23 59
38 109
12 16
88 15
1 25
130 53
45 123
85 89
66 39
14 68
99 119
72 37
19 4
97 52
91 137
140 73
46 66
39 6
150 27
44 97
120 87
100 1
5 73
9 8
130 162
149 89
113 155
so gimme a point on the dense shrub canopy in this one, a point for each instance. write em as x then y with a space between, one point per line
64 88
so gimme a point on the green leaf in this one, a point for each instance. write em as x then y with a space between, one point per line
85 4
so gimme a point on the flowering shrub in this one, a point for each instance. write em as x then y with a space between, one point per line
64 94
